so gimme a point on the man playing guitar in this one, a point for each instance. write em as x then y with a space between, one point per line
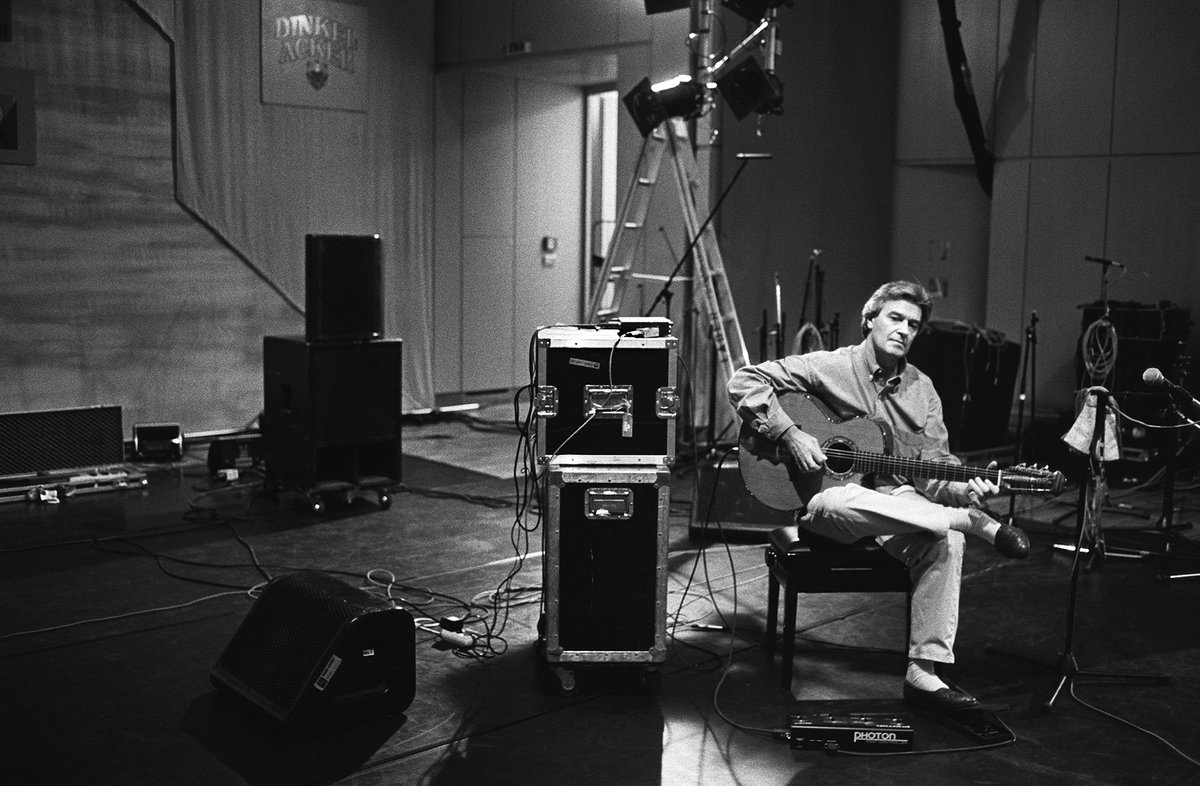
920 521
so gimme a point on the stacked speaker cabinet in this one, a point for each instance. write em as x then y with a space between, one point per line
606 403
332 409
343 282
974 371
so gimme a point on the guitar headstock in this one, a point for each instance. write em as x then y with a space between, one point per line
1030 478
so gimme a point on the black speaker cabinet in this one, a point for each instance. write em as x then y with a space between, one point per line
331 411
974 371
314 653
1149 335
343 287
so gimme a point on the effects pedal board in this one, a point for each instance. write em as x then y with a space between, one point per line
980 724
857 732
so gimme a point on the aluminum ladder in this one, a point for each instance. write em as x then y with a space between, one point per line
672 139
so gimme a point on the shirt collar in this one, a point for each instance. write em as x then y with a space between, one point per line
874 372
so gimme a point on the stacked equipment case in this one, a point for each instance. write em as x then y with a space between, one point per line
605 403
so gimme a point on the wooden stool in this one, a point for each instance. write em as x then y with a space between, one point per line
803 562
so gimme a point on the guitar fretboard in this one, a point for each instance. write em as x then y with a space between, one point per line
917 468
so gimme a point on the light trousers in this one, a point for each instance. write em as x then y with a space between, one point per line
915 531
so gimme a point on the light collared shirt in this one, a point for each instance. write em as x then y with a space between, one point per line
851 383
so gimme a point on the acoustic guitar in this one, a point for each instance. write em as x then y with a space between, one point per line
854 447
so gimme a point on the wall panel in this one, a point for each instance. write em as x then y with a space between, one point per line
1073 88
488 304
1067 199
1154 229
1158 59
1008 120
928 123
448 241
1007 295
485 26
941 230
548 29
489 143
549 199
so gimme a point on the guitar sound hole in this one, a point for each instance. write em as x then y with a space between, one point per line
838 464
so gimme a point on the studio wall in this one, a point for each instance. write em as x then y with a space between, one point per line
828 183
1093 112
509 131
159 236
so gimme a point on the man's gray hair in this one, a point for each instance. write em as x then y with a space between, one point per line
897 290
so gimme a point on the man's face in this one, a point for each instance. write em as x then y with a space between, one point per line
893 330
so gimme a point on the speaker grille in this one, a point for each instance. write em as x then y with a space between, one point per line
60 439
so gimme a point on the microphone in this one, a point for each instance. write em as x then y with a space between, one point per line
1179 395
1105 261
1155 378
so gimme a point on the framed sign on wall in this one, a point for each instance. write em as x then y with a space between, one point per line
18 118
314 54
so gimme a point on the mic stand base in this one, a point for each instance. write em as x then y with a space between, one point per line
1067 667
1071 674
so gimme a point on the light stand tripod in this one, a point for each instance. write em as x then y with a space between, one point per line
1067 667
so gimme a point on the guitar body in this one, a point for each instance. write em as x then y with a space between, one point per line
769 472
853 447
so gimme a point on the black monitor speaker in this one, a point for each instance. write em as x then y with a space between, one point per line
343 287
314 654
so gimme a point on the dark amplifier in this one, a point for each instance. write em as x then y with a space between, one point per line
857 732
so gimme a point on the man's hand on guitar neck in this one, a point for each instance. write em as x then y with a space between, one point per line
805 449
979 489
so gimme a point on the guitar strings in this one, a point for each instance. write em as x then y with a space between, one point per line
938 471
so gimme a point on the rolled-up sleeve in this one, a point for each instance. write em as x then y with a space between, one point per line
753 391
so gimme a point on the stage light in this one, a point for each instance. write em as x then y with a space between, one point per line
747 87
650 105
753 9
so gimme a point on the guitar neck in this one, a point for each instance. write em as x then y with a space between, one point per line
915 468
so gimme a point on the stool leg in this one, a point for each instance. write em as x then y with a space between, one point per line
772 614
789 635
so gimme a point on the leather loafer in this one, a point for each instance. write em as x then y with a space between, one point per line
1012 542
942 700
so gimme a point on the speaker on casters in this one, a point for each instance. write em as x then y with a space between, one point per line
332 411
315 653
343 283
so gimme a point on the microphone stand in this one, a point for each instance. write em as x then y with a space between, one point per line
1067 666
1165 528
1028 366
665 292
